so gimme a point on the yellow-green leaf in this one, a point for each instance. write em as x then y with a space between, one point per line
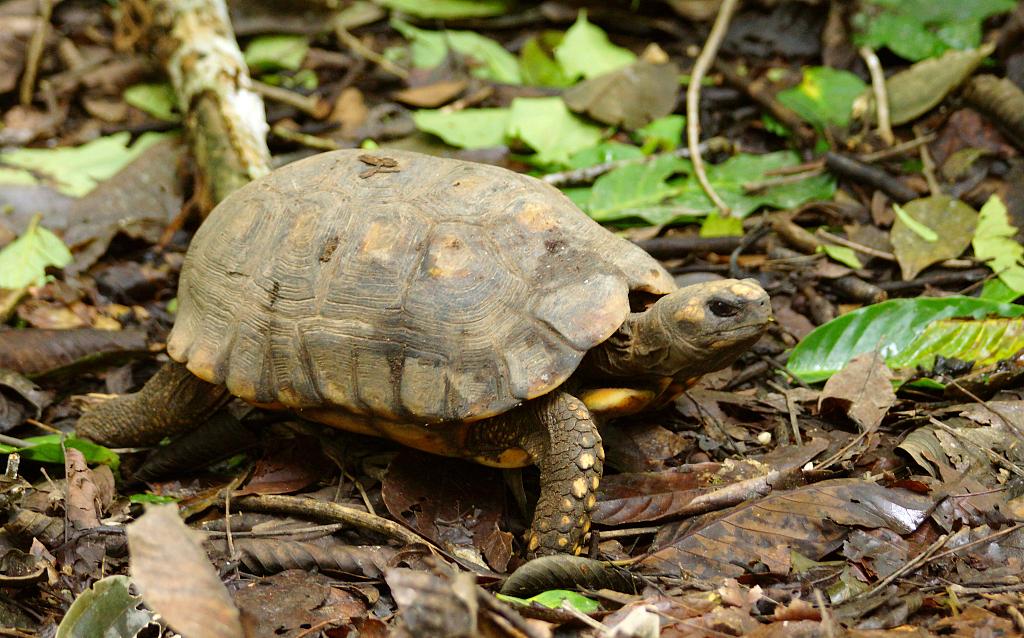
24 261
995 243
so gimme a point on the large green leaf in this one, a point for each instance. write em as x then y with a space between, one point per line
586 51
24 261
983 341
547 126
489 59
540 68
469 128
77 169
156 99
890 326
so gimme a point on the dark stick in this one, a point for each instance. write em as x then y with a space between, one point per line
938 279
858 171
684 245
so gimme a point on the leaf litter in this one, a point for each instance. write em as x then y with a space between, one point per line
858 469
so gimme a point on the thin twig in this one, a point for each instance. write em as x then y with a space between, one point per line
308 104
899 149
852 245
909 567
928 168
357 47
700 69
35 53
329 528
881 95
995 457
329 512
978 541
10 440
782 180
310 141
629 531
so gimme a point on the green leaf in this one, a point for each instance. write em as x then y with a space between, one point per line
538 67
665 134
729 178
76 170
47 449
447 9
607 151
642 191
489 59
825 96
586 51
553 599
637 190
24 261
919 29
890 326
714 225
276 52
149 497
469 128
547 126
842 254
108 609
995 243
156 99
984 341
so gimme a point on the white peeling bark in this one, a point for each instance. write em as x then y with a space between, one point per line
225 119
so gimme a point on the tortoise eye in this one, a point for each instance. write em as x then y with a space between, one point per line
722 308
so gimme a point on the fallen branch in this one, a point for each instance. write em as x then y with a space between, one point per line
224 117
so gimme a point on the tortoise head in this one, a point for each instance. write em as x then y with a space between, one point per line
687 333
704 327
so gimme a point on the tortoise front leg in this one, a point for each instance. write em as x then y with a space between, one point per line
562 440
172 401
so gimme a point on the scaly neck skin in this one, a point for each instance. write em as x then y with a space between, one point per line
638 348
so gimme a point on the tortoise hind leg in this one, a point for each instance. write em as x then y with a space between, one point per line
562 440
172 401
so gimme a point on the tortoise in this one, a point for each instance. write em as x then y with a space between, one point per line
457 308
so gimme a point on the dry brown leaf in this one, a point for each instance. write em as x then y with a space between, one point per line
862 390
177 579
83 496
813 520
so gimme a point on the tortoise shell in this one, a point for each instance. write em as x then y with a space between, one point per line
431 290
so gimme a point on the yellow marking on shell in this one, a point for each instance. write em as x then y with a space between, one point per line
449 257
591 502
581 414
608 402
201 365
584 525
534 542
378 240
585 462
600 452
692 312
536 217
572 405
579 487
577 550
563 541
543 525
594 482
746 291
566 521
567 504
